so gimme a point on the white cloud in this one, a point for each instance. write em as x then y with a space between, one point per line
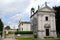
11 6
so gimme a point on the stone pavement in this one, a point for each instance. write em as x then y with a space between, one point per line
12 37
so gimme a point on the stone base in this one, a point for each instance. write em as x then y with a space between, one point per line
48 37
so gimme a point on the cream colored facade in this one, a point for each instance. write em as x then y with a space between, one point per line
24 26
10 30
43 22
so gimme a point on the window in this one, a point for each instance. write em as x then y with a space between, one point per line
46 18
22 29
22 23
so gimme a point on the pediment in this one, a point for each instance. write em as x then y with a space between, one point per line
46 9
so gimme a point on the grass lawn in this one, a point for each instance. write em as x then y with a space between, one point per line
25 39
37 39
52 39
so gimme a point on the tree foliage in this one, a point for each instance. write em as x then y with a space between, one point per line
7 27
1 27
57 9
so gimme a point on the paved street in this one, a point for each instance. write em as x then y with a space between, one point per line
9 39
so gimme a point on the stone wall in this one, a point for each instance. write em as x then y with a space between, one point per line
24 36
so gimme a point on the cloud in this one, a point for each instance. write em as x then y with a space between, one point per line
11 6
18 17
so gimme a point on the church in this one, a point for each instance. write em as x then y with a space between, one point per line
43 22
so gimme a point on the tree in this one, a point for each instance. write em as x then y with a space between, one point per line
7 27
57 9
1 27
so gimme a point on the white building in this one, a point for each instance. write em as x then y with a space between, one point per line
10 30
24 26
43 22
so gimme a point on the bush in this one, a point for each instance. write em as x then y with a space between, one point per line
23 32
10 32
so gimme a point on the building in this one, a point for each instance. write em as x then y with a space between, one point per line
10 30
43 22
24 26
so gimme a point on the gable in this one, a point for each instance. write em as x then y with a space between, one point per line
46 9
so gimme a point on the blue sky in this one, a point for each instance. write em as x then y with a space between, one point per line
11 11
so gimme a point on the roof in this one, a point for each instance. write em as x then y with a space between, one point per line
25 22
10 29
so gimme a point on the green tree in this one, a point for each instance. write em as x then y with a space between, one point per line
1 27
7 27
57 9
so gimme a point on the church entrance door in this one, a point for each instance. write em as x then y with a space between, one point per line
47 32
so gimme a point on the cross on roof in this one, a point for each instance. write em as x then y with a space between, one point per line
45 3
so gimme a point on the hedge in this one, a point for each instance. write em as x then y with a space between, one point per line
23 32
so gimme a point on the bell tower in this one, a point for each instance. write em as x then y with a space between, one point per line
32 11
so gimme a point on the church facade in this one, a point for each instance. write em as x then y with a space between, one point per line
43 22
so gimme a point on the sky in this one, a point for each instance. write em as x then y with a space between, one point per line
13 11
